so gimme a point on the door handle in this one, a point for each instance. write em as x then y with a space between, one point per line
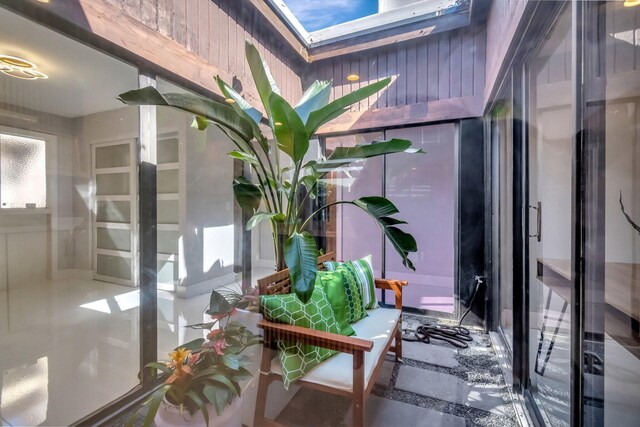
538 234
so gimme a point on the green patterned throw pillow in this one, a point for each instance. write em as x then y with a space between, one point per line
296 358
333 284
355 304
363 271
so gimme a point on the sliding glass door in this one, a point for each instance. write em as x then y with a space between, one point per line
550 155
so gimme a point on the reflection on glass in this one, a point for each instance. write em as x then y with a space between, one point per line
69 343
612 344
423 189
550 159
350 231
502 135
196 228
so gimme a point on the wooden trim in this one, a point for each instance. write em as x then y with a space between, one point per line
281 28
123 33
376 39
341 343
421 112
358 388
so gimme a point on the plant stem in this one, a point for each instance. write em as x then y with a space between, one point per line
304 224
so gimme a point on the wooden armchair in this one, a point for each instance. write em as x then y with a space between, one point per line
364 374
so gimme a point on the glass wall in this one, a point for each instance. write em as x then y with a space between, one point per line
550 151
612 310
502 208
350 230
424 190
69 321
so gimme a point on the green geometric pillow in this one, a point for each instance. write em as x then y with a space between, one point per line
297 359
355 304
333 284
363 271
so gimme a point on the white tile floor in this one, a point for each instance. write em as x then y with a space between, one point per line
69 347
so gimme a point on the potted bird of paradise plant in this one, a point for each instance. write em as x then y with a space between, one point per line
202 378
276 192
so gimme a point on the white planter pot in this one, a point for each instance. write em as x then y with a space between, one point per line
169 415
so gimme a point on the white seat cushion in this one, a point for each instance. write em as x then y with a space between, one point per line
337 371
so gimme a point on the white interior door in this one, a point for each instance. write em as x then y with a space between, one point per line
114 212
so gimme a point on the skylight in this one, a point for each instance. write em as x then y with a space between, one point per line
316 15
324 22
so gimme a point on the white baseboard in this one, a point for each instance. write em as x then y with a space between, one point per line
206 286
72 273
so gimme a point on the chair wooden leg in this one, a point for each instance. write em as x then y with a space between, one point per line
263 386
398 343
358 389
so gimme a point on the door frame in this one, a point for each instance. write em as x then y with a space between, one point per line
133 211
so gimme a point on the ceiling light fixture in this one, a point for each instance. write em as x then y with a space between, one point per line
631 3
353 77
20 68
43 1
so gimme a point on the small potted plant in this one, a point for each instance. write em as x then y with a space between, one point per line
202 377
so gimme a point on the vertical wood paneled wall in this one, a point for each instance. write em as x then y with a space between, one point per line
502 22
216 31
439 67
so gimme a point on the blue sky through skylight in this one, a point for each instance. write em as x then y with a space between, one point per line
318 14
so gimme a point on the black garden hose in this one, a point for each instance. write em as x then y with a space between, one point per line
457 336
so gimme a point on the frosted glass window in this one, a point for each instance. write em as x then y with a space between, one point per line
168 151
23 172
168 181
112 156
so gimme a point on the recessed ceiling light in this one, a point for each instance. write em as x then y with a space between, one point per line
353 77
631 3
229 100
20 68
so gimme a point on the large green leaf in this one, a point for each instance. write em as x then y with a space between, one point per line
247 194
154 404
240 105
245 157
314 98
216 112
265 83
199 404
258 217
332 110
379 209
344 155
376 206
216 395
288 128
403 243
300 255
193 345
218 304
245 110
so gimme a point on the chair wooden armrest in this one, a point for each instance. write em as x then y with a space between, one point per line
280 331
395 286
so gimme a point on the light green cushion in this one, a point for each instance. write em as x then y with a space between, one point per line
356 309
297 359
363 271
333 284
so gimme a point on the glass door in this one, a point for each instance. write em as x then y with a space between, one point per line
550 161
115 203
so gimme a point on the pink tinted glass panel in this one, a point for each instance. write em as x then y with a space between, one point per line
357 234
422 186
